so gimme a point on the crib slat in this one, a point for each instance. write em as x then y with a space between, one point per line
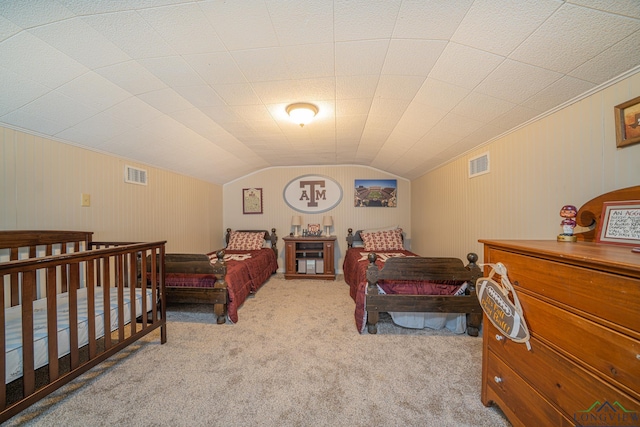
120 262
106 303
3 352
132 291
143 285
15 294
74 276
52 321
28 294
91 308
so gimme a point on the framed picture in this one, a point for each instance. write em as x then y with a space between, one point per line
627 122
620 223
382 193
252 200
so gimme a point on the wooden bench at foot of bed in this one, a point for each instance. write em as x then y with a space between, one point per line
424 269
192 278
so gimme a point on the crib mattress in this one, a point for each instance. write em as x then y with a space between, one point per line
13 326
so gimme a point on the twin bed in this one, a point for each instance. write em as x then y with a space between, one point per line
55 325
417 292
225 278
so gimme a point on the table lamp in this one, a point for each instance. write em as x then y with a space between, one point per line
296 221
327 222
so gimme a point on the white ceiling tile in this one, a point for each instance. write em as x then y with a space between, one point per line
237 94
412 57
200 96
440 95
356 87
252 113
32 13
17 90
260 65
311 60
174 71
433 19
83 7
216 68
572 36
418 119
510 23
384 114
165 100
353 106
301 22
43 64
360 57
78 40
131 33
51 113
398 87
132 77
185 28
95 130
612 62
514 117
563 90
457 126
515 81
221 114
303 90
241 24
134 111
95 91
464 66
630 8
364 19
478 106
7 28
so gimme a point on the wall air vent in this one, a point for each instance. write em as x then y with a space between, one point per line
479 165
134 175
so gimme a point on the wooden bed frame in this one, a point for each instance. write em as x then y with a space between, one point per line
55 262
422 269
200 264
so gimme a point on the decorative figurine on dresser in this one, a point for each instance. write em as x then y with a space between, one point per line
568 214
581 302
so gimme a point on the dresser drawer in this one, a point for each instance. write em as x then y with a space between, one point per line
522 404
610 354
613 298
561 381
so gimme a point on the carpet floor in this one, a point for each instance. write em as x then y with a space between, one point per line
293 359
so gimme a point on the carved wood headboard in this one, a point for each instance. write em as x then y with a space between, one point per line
589 214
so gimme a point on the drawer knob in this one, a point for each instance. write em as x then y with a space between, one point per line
497 379
499 337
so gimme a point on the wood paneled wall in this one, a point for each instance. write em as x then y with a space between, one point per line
568 157
41 182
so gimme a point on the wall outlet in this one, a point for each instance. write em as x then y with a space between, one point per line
86 200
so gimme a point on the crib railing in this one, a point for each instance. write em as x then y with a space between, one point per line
112 268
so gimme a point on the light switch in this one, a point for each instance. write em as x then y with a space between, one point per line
86 200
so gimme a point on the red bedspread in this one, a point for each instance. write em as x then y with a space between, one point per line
246 277
355 274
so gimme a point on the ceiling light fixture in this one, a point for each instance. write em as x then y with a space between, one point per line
302 113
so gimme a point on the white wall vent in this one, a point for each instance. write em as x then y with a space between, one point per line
479 165
134 175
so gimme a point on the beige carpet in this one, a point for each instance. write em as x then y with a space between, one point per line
293 359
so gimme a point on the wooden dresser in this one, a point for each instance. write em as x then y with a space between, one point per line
581 302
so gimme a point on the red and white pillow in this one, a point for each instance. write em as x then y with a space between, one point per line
245 241
387 240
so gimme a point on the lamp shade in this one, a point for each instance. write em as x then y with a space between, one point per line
327 221
296 220
302 113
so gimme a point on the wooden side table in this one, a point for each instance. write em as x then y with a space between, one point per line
310 257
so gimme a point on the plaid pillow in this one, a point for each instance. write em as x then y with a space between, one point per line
245 241
388 240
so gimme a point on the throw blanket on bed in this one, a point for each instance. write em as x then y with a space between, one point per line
355 274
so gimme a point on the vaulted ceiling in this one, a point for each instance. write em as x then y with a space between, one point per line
201 87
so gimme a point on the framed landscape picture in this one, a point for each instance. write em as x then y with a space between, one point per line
252 200
382 193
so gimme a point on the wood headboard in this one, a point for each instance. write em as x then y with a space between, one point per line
589 214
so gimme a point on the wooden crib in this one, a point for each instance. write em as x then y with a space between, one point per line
55 279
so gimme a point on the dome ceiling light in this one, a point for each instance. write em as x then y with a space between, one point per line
302 113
